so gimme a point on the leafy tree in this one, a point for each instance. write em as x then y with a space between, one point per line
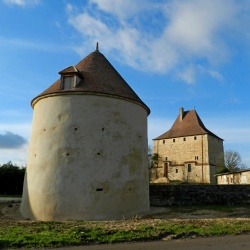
222 170
155 159
11 179
231 161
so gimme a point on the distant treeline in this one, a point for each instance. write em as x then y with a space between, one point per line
11 179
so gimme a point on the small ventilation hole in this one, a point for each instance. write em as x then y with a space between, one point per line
67 154
99 189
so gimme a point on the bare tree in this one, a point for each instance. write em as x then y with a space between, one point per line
232 161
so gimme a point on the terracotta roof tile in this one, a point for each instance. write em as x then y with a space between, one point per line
99 77
190 124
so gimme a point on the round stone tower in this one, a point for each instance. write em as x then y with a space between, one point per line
88 148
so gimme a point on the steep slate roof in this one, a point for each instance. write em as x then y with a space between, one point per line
99 77
190 124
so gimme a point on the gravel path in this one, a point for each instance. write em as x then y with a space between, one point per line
9 210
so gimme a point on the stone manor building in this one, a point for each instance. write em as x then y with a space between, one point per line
188 152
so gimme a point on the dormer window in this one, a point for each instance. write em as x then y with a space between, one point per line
70 78
68 82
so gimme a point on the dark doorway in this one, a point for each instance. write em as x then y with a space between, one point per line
166 170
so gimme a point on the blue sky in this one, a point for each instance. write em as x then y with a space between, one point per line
173 53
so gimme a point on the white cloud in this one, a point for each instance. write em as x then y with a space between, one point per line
17 2
69 7
188 74
196 26
21 2
92 27
215 74
180 32
120 8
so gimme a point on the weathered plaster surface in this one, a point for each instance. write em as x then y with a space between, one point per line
241 177
87 159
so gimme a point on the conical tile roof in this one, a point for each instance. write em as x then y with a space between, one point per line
189 125
99 77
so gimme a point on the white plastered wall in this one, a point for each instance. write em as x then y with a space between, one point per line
87 159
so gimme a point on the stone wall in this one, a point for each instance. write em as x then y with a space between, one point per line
173 195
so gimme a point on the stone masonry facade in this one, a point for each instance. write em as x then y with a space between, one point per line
184 157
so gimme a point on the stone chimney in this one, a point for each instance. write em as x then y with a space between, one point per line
181 113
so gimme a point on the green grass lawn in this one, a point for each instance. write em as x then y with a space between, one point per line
54 234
